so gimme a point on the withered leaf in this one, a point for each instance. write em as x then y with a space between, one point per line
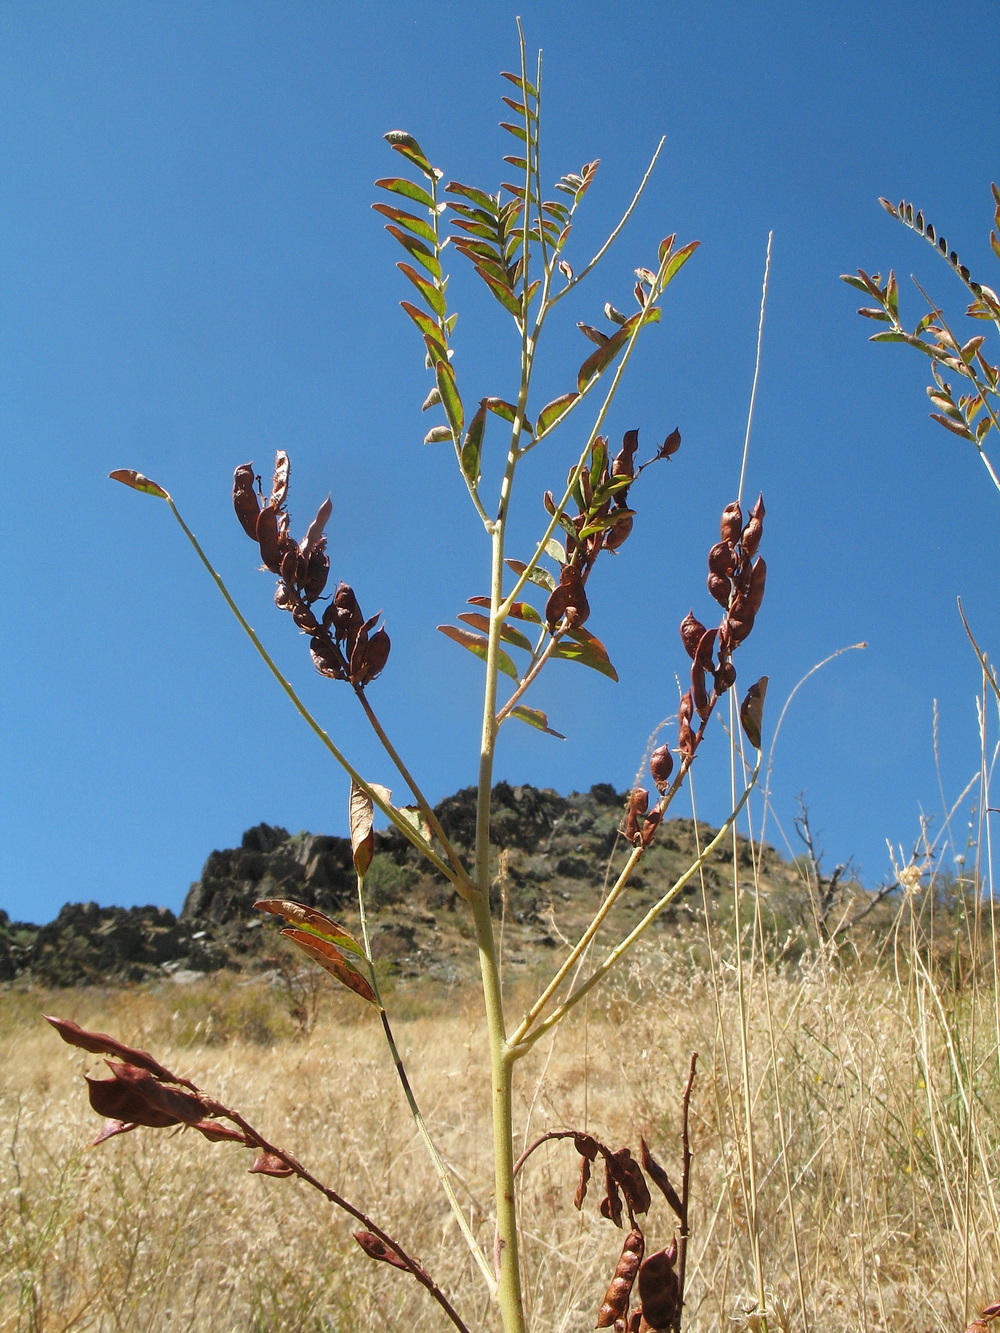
118 1102
752 711
161 1097
362 814
534 717
333 961
312 920
137 482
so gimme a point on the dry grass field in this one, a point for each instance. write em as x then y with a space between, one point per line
875 1107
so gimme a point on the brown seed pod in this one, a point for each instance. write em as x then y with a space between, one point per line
376 656
649 826
699 691
659 1289
685 736
721 559
279 484
624 464
720 588
755 595
377 1249
638 804
692 631
661 765
725 677
327 660
620 533
616 1298
246 501
304 618
345 613
268 537
568 600
317 572
731 522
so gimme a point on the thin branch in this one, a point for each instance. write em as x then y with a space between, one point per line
756 368
617 231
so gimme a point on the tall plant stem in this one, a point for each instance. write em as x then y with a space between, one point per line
506 1255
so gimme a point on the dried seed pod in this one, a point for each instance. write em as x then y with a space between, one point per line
304 618
377 1249
611 1204
692 631
376 656
731 522
345 613
268 537
616 1298
755 595
720 588
327 659
659 1289
270 1164
624 464
246 501
699 691
685 736
638 804
661 765
633 1184
739 627
279 483
620 533
660 1178
751 536
670 445
725 677
568 600
650 824
721 559
291 566
316 575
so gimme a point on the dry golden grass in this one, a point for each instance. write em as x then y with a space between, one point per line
880 1171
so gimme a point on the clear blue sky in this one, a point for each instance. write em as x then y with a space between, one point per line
192 277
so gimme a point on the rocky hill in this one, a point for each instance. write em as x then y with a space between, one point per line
551 856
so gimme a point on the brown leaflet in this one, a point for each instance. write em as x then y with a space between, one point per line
312 920
180 1106
660 1179
362 815
333 961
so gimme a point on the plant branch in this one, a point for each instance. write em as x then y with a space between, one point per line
579 277
526 1042
393 815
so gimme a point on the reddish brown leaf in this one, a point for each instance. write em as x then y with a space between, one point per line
137 482
333 961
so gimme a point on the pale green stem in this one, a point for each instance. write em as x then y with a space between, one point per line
580 947
393 815
619 951
411 1101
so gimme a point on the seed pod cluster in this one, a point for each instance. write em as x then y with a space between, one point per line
341 641
736 576
603 521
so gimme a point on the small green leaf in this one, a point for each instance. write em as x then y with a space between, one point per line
888 337
556 550
417 225
678 260
607 521
507 411
477 644
482 200
872 312
420 252
503 294
962 431
428 328
535 718
137 482
599 361
472 447
555 411
539 576
430 293
581 646
450 400
516 130
407 146
400 185
509 635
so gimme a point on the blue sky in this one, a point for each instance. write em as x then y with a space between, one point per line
192 277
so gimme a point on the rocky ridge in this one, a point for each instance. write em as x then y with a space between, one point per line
551 855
